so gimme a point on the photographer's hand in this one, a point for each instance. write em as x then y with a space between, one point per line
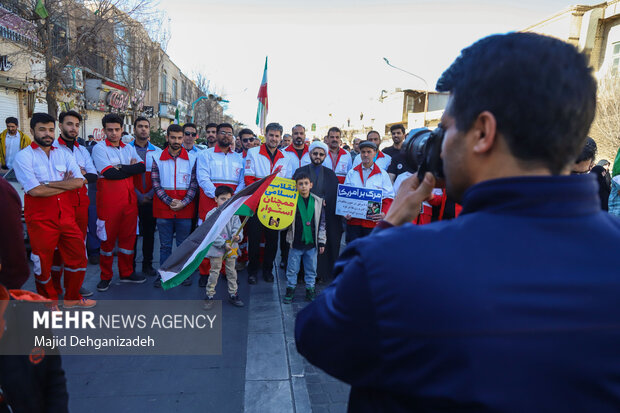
408 200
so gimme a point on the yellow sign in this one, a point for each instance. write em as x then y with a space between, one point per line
276 209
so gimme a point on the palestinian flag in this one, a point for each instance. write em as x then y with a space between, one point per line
187 257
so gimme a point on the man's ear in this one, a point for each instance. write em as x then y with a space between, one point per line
485 130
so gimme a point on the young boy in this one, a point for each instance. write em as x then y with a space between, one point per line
219 251
305 235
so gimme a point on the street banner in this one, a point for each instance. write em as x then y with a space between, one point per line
276 209
358 202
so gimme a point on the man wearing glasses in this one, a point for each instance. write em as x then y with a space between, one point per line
217 166
585 161
247 138
189 139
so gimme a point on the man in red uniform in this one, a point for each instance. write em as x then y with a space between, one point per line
48 175
117 204
69 123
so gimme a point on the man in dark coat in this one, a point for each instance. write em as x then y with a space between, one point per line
511 307
325 185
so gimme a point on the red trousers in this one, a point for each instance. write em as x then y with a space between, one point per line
62 233
120 223
81 218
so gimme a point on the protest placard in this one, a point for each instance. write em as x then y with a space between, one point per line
358 202
276 209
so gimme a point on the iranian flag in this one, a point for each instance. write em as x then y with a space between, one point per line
263 102
187 257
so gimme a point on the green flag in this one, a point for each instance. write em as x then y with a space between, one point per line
40 10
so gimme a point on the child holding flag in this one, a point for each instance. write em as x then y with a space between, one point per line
224 249
305 235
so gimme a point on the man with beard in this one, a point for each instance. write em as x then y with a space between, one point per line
398 164
190 132
12 140
325 186
174 184
69 123
117 203
211 131
247 138
337 159
144 191
217 166
49 176
261 162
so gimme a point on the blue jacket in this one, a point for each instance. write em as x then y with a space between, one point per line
512 307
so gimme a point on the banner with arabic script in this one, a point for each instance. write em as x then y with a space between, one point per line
358 202
277 206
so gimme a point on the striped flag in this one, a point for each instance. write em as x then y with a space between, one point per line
187 257
263 102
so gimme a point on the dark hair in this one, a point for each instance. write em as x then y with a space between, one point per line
140 119
173 128
189 125
91 136
275 127
246 131
111 118
588 152
41 118
224 125
211 125
398 126
223 190
346 147
540 90
125 133
373 131
11 119
299 175
334 129
73 113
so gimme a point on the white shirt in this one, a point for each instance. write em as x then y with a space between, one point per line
217 167
79 153
12 147
33 167
376 178
106 156
294 162
258 164
343 163
383 161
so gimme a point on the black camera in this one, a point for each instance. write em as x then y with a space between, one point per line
422 150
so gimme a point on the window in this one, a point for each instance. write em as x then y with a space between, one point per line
174 88
164 82
615 59
410 104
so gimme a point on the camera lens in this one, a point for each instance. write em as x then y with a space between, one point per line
423 150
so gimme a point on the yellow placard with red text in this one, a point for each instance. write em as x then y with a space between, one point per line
276 209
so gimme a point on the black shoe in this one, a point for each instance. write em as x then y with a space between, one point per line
282 264
187 281
103 285
85 293
209 303
235 300
252 279
157 283
268 276
134 279
94 259
149 270
202 281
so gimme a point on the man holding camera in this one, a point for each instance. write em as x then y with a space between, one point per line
497 310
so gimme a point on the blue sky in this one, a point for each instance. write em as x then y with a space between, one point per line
325 56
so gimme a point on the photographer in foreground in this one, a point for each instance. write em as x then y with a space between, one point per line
513 307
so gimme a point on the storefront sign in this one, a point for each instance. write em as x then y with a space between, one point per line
117 100
5 65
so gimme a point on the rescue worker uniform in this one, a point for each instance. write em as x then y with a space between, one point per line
216 167
51 220
372 178
382 160
341 164
117 205
258 164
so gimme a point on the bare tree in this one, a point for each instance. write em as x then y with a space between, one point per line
606 126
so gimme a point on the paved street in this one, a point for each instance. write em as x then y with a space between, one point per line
259 369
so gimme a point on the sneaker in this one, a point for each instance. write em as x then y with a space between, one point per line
149 270
310 294
157 283
252 279
103 285
85 293
288 297
187 281
235 300
94 259
134 278
209 303
202 281
83 303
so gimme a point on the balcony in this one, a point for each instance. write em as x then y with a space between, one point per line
164 97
